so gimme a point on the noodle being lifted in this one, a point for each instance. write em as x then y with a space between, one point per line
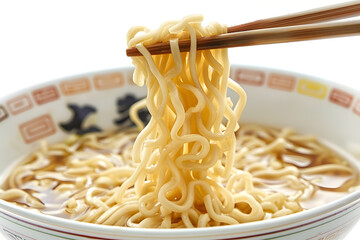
186 149
191 165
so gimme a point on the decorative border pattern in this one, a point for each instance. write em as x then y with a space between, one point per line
248 76
37 128
117 79
108 81
19 104
289 83
340 97
356 108
75 86
311 88
45 94
281 82
3 113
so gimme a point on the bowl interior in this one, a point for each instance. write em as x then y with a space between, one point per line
100 101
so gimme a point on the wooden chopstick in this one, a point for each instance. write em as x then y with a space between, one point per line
334 12
288 28
276 35
263 36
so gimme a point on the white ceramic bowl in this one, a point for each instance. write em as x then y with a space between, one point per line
277 98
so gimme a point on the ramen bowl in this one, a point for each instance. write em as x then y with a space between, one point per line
100 100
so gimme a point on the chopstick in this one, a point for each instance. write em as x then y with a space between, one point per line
288 28
334 12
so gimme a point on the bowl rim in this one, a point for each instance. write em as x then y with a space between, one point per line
264 225
5 97
280 224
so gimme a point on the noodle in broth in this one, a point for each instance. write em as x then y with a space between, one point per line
192 165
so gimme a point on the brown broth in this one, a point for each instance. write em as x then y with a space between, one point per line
43 183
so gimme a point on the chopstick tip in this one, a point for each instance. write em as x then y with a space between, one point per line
132 52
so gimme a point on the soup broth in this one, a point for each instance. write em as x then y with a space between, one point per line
72 178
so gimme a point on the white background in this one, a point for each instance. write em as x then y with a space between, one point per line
44 40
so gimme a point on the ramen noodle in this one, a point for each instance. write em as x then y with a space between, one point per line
193 164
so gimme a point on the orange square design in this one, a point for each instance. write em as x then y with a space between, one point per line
45 94
37 128
3 113
19 104
341 98
108 81
281 82
249 77
356 108
75 86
